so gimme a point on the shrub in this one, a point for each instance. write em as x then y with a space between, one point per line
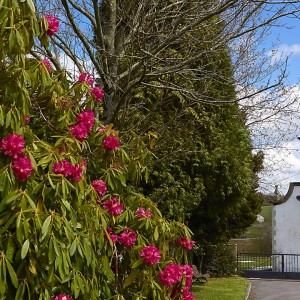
72 223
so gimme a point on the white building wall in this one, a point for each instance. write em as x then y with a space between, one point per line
286 229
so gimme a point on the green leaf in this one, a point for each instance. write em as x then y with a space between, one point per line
12 274
75 286
45 227
51 252
20 292
137 263
31 203
11 45
57 252
45 160
20 41
51 182
1 116
73 247
25 249
10 197
87 251
130 278
156 235
31 5
66 204
10 249
122 179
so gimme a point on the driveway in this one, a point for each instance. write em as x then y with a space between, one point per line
274 290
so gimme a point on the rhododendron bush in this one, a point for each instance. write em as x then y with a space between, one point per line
72 224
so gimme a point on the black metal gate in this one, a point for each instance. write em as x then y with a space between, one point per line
273 266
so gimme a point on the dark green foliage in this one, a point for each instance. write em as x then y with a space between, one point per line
218 260
205 171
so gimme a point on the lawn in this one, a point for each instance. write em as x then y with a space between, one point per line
231 288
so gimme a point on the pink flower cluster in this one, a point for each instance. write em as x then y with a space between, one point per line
150 255
185 293
99 186
53 25
111 143
113 206
96 91
22 168
114 237
47 65
185 243
143 213
85 123
172 275
86 118
127 238
187 271
63 297
65 168
84 77
13 146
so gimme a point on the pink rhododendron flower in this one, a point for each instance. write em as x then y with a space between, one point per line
99 186
111 143
184 294
127 238
47 64
53 24
114 237
13 145
22 168
113 206
103 129
77 172
170 275
27 119
150 255
98 93
84 77
187 271
63 297
86 118
79 132
143 213
187 295
63 167
185 243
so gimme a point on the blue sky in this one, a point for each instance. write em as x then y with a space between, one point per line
286 160
289 38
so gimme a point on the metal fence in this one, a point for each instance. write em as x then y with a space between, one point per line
257 265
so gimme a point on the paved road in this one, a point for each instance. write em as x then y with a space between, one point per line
274 290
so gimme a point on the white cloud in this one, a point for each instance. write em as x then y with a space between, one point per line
282 167
274 124
284 51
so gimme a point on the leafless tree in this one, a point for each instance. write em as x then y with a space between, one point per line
129 44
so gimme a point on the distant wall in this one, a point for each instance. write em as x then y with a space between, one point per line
286 223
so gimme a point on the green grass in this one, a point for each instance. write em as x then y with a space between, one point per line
231 288
258 236
266 212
